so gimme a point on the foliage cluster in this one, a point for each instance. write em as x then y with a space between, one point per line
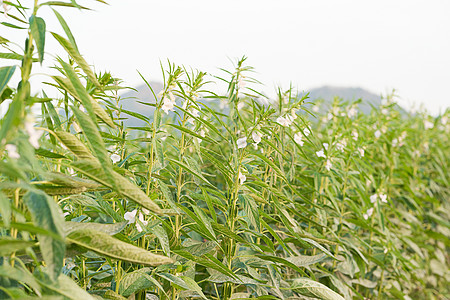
257 200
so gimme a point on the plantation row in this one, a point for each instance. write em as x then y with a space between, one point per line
232 196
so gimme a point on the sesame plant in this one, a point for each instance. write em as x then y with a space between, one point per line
216 196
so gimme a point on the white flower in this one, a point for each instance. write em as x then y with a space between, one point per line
361 151
368 213
168 105
242 142
355 134
444 120
33 134
145 211
383 198
306 131
241 82
130 216
384 111
341 145
12 151
202 134
428 124
394 142
328 165
325 145
142 221
242 178
373 198
171 96
284 121
377 134
240 105
195 113
352 112
6 8
298 138
320 153
115 158
315 108
256 136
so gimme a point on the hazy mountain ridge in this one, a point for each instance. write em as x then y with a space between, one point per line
325 93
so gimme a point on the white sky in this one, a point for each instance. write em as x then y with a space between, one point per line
377 45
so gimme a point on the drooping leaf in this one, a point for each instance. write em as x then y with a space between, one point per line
20 275
47 214
108 246
37 27
74 144
5 209
311 288
68 288
134 282
5 75
72 51
110 229
94 170
10 245
66 29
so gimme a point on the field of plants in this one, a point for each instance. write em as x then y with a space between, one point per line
233 196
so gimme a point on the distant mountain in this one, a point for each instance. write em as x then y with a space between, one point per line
325 93
329 93
143 94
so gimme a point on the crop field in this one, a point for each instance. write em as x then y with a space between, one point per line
217 196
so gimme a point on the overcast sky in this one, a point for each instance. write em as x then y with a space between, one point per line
377 45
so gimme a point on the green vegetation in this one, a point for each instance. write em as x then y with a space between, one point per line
257 201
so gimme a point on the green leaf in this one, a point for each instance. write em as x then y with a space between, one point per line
11 56
311 288
5 209
134 282
94 170
193 286
161 234
176 281
108 246
96 142
74 144
71 49
20 275
68 288
110 229
5 75
66 29
46 214
112 295
304 260
37 27
9 245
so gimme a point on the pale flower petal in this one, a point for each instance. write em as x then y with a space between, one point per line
256 136
298 138
383 198
373 198
242 142
242 178
12 151
130 216
328 165
115 158
320 153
